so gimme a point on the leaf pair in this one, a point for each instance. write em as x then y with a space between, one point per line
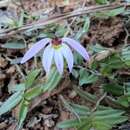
100 120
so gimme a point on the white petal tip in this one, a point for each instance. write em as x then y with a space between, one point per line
22 61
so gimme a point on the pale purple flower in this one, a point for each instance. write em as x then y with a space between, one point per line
56 50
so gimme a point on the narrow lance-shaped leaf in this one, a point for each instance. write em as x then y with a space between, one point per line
89 97
14 44
68 106
84 29
11 102
86 78
31 77
24 106
68 124
80 109
108 112
16 88
53 79
34 92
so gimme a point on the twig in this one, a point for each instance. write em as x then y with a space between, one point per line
66 104
17 66
99 101
69 26
126 38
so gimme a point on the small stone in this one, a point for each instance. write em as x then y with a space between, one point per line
3 62
3 125
11 70
72 95
47 110
49 123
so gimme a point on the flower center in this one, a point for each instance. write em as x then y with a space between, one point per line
56 43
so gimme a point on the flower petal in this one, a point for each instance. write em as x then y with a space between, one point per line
58 58
67 53
35 49
77 46
47 58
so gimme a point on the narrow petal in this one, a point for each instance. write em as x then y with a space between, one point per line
58 57
77 46
67 53
35 49
47 58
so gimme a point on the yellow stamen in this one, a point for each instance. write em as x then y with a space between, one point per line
56 46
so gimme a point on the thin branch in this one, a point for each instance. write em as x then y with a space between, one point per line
126 38
99 101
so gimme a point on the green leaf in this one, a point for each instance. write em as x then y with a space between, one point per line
86 78
123 100
11 102
21 20
78 60
80 109
32 93
85 126
108 111
16 88
84 29
98 120
125 55
60 31
87 96
68 124
111 13
75 73
98 125
31 77
96 48
101 1
114 89
115 12
110 116
53 79
68 106
24 106
112 62
14 44
118 120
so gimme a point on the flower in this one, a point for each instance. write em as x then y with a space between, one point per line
56 50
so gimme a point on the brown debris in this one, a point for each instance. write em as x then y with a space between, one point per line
2 76
105 31
3 62
11 70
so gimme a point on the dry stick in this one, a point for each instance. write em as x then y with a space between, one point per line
73 20
17 67
9 32
99 101
127 36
